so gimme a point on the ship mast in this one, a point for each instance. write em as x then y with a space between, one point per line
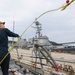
39 28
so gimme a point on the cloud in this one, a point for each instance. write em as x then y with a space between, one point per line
23 12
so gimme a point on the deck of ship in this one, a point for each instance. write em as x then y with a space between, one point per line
60 58
26 61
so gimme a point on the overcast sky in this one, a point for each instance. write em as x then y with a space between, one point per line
59 25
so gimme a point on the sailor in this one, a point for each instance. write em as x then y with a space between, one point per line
4 33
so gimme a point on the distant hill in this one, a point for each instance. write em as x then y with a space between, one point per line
54 43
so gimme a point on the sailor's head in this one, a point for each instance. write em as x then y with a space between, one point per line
2 24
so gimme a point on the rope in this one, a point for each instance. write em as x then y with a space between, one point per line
67 4
62 7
